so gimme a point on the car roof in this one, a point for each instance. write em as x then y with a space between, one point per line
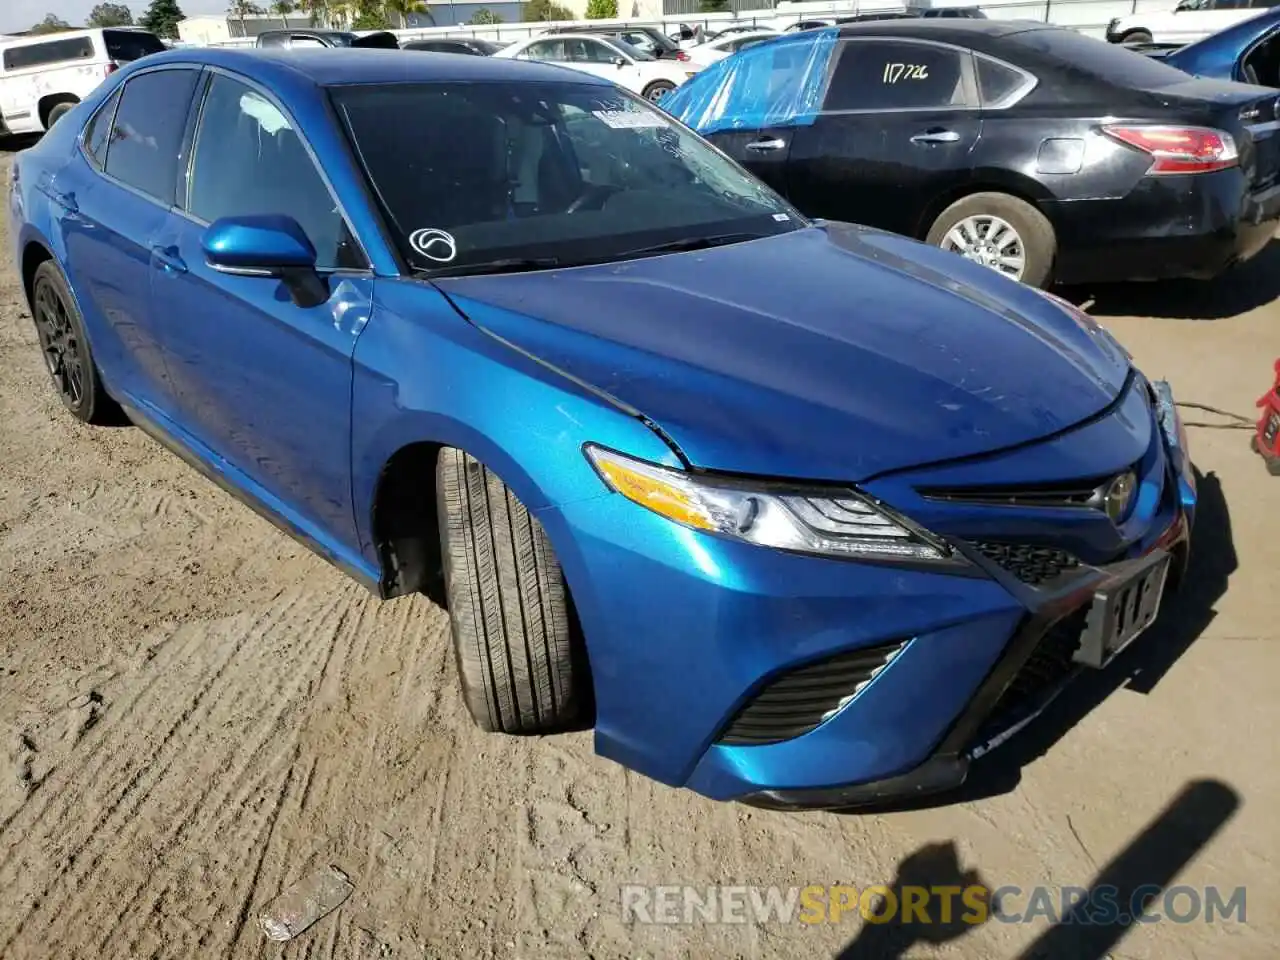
344 66
959 30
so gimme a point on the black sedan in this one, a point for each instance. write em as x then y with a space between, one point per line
1035 150
471 46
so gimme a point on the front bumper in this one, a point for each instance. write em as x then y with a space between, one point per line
687 633
1166 228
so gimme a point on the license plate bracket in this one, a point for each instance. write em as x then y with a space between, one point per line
1123 609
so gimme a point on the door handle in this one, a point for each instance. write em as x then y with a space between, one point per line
168 260
936 136
766 146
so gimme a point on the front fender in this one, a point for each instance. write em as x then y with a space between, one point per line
424 374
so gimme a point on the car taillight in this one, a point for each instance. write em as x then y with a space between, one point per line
112 67
681 55
1179 149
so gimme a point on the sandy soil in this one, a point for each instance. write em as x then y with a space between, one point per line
196 713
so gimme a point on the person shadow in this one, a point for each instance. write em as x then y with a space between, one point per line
1185 614
1085 923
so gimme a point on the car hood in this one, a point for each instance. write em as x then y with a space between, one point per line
829 353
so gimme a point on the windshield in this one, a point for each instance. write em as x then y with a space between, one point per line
129 45
549 171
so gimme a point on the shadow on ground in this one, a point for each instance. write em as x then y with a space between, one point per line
1091 921
12 144
1247 287
1184 616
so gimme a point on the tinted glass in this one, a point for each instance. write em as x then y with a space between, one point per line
249 161
1106 61
55 51
273 40
128 45
886 75
148 131
996 81
95 132
305 41
574 171
485 47
585 50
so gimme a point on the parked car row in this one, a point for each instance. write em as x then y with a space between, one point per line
1033 150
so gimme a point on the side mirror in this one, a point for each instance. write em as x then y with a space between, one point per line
270 246
619 62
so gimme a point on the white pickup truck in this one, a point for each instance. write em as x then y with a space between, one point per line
42 77
1189 21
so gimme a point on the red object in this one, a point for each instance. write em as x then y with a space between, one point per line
112 67
681 55
1266 438
1178 149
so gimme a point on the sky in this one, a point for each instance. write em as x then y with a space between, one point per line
24 14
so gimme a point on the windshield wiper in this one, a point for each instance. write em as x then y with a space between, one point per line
507 265
688 243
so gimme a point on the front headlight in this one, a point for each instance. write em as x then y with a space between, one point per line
832 523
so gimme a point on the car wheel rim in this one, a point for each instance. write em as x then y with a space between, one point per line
990 241
61 346
657 93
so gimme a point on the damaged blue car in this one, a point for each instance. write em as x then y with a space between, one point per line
795 513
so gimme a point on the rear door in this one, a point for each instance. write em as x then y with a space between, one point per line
112 219
898 126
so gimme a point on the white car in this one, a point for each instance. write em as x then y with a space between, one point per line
1189 21
608 58
726 45
42 77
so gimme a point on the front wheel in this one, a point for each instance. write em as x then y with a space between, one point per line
1136 36
657 90
57 113
998 231
514 633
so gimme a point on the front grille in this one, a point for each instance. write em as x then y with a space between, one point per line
1071 493
799 701
1040 677
1031 564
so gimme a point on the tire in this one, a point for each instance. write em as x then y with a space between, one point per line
1034 234
655 91
59 111
65 346
514 632
1136 36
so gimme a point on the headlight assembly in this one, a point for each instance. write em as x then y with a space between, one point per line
831 523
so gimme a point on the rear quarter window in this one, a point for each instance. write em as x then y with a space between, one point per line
1103 61
130 45
43 54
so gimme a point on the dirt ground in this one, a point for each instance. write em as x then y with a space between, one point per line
196 713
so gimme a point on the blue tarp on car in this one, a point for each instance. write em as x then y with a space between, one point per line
777 83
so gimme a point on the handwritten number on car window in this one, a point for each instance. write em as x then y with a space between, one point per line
893 72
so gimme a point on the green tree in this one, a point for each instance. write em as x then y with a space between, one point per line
51 24
370 15
713 6
602 9
110 15
485 15
402 8
317 10
282 9
242 9
162 18
540 10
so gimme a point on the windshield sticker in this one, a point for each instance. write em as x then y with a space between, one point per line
629 119
781 217
434 244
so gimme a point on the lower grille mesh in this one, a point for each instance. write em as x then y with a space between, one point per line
1041 676
799 701
1029 563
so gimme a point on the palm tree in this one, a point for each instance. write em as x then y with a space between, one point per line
282 9
402 9
317 10
244 8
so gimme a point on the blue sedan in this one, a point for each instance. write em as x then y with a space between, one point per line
1248 52
794 512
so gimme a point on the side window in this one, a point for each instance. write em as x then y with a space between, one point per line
148 130
55 51
889 75
998 84
305 41
97 129
547 50
249 161
590 51
272 40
